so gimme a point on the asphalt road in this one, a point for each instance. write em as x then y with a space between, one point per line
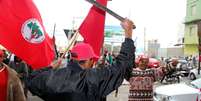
121 96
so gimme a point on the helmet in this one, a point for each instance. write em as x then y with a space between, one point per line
83 51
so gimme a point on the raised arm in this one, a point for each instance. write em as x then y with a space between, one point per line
110 78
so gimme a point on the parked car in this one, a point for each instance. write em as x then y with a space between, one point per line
173 78
176 92
194 74
153 63
184 67
196 84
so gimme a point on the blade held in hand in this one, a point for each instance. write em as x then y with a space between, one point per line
98 5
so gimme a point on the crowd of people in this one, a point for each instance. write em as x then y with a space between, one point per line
83 78
191 60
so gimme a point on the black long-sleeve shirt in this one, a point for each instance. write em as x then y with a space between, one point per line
75 84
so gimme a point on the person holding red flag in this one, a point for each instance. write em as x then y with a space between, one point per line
79 81
22 33
10 85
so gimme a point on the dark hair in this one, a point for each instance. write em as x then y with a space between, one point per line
74 55
17 59
81 62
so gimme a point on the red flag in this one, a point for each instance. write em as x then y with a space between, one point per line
22 32
92 28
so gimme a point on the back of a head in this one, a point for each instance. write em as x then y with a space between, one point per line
174 60
17 59
143 57
83 51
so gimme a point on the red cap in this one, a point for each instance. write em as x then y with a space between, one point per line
83 51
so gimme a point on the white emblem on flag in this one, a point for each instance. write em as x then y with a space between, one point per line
32 31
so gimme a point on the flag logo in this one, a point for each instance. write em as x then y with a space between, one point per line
32 31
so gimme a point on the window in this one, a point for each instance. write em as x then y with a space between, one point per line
192 31
183 40
193 10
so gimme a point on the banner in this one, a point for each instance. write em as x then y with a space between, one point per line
92 28
22 32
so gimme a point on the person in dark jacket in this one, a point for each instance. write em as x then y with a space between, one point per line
22 70
79 81
6 58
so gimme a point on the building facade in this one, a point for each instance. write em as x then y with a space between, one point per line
153 47
193 17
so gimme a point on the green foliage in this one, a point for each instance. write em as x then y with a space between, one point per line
34 28
108 34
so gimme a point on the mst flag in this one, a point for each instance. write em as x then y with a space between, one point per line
92 28
22 32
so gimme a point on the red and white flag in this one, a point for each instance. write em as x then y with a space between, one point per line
22 32
92 28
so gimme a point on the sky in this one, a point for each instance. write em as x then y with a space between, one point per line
162 19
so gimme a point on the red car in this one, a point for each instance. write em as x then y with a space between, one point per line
153 63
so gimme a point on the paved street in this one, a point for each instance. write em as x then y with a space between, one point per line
33 98
123 91
122 94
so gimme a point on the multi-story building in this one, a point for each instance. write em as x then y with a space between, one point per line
153 47
193 17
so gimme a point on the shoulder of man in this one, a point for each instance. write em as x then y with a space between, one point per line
11 71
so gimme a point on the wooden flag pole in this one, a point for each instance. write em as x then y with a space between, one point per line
55 46
98 5
71 42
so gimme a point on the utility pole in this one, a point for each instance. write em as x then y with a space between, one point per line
73 23
112 47
199 44
144 39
